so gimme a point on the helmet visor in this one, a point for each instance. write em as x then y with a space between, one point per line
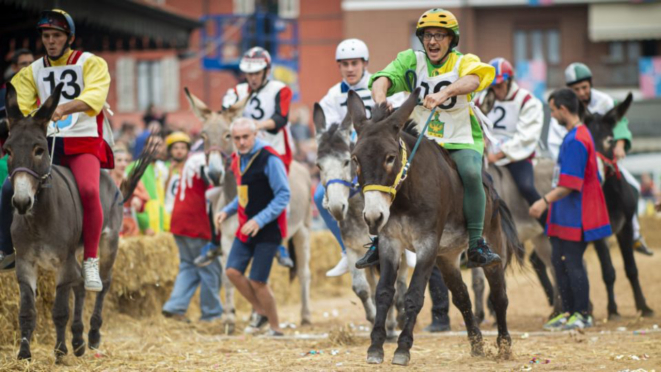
54 21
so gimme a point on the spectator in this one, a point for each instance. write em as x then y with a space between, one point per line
155 128
192 231
178 147
20 59
577 212
140 196
263 195
300 128
648 189
152 114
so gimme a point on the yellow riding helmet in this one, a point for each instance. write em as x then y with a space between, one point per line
175 137
438 17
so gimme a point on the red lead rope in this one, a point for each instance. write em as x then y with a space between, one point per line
611 164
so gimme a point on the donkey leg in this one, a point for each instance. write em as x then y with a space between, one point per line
77 326
400 292
608 275
108 252
498 297
229 312
461 299
26 275
625 240
385 292
60 313
540 269
415 297
301 242
477 276
360 286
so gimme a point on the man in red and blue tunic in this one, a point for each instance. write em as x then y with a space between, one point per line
263 194
577 212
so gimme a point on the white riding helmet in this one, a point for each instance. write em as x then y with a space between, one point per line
352 48
254 60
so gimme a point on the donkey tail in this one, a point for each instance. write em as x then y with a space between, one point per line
147 156
514 246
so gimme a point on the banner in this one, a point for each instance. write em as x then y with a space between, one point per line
531 75
650 76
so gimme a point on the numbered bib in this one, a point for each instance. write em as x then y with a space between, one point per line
71 76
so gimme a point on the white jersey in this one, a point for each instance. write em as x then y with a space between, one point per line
334 103
600 103
517 124
271 101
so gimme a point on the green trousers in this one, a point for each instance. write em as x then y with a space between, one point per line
469 166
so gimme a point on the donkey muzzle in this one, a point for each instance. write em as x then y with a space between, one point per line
25 187
216 170
377 210
22 204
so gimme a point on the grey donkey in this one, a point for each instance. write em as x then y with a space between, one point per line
47 227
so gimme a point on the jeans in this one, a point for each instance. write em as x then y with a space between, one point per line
333 226
571 276
440 301
191 276
524 178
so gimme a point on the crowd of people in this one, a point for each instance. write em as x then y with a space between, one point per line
271 133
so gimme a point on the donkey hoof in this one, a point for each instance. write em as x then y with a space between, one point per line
229 328
401 358
306 322
78 348
24 355
60 351
647 313
375 356
94 338
477 350
614 316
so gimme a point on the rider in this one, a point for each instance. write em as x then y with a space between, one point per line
352 58
518 118
268 105
455 125
78 124
579 78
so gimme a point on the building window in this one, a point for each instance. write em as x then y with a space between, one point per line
288 8
244 6
149 84
537 45
145 82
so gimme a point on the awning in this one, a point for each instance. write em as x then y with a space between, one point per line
626 21
124 16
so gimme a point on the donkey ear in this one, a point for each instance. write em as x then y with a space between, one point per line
45 112
487 101
401 115
14 113
618 112
235 110
356 110
319 119
199 108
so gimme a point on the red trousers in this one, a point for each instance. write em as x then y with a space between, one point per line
86 169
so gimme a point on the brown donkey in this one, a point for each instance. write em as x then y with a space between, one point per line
47 227
423 213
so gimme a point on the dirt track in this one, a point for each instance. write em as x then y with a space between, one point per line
164 345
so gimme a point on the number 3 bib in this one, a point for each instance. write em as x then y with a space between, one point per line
451 122
71 75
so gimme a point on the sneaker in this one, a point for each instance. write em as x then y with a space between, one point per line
410 258
556 323
7 262
370 258
283 257
208 253
437 326
482 256
256 323
178 317
341 268
640 247
578 321
273 333
91 275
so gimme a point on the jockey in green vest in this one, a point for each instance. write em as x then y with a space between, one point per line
448 80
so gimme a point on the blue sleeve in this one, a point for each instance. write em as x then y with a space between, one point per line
277 175
232 207
572 166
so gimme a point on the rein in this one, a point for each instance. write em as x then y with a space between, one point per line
611 164
406 163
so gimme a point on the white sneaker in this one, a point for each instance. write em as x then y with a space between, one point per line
91 275
410 259
341 268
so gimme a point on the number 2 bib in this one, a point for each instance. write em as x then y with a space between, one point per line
505 117
451 122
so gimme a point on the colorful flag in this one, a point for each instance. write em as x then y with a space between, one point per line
650 76
531 75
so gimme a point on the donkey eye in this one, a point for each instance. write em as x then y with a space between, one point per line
228 137
39 152
346 163
390 159
319 166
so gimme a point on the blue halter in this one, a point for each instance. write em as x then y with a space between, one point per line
353 186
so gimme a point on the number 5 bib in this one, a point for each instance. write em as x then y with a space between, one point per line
451 122
71 75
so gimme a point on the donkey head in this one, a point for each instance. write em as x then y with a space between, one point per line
487 102
601 126
27 146
334 162
378 154
215 133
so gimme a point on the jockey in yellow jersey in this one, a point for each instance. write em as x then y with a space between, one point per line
77 123
448 80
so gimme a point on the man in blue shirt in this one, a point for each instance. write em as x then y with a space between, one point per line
263 195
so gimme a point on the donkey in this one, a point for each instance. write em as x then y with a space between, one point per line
423 213
47 226
621 201
345 204
218 146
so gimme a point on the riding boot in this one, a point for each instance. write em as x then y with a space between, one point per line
370 258
482 256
